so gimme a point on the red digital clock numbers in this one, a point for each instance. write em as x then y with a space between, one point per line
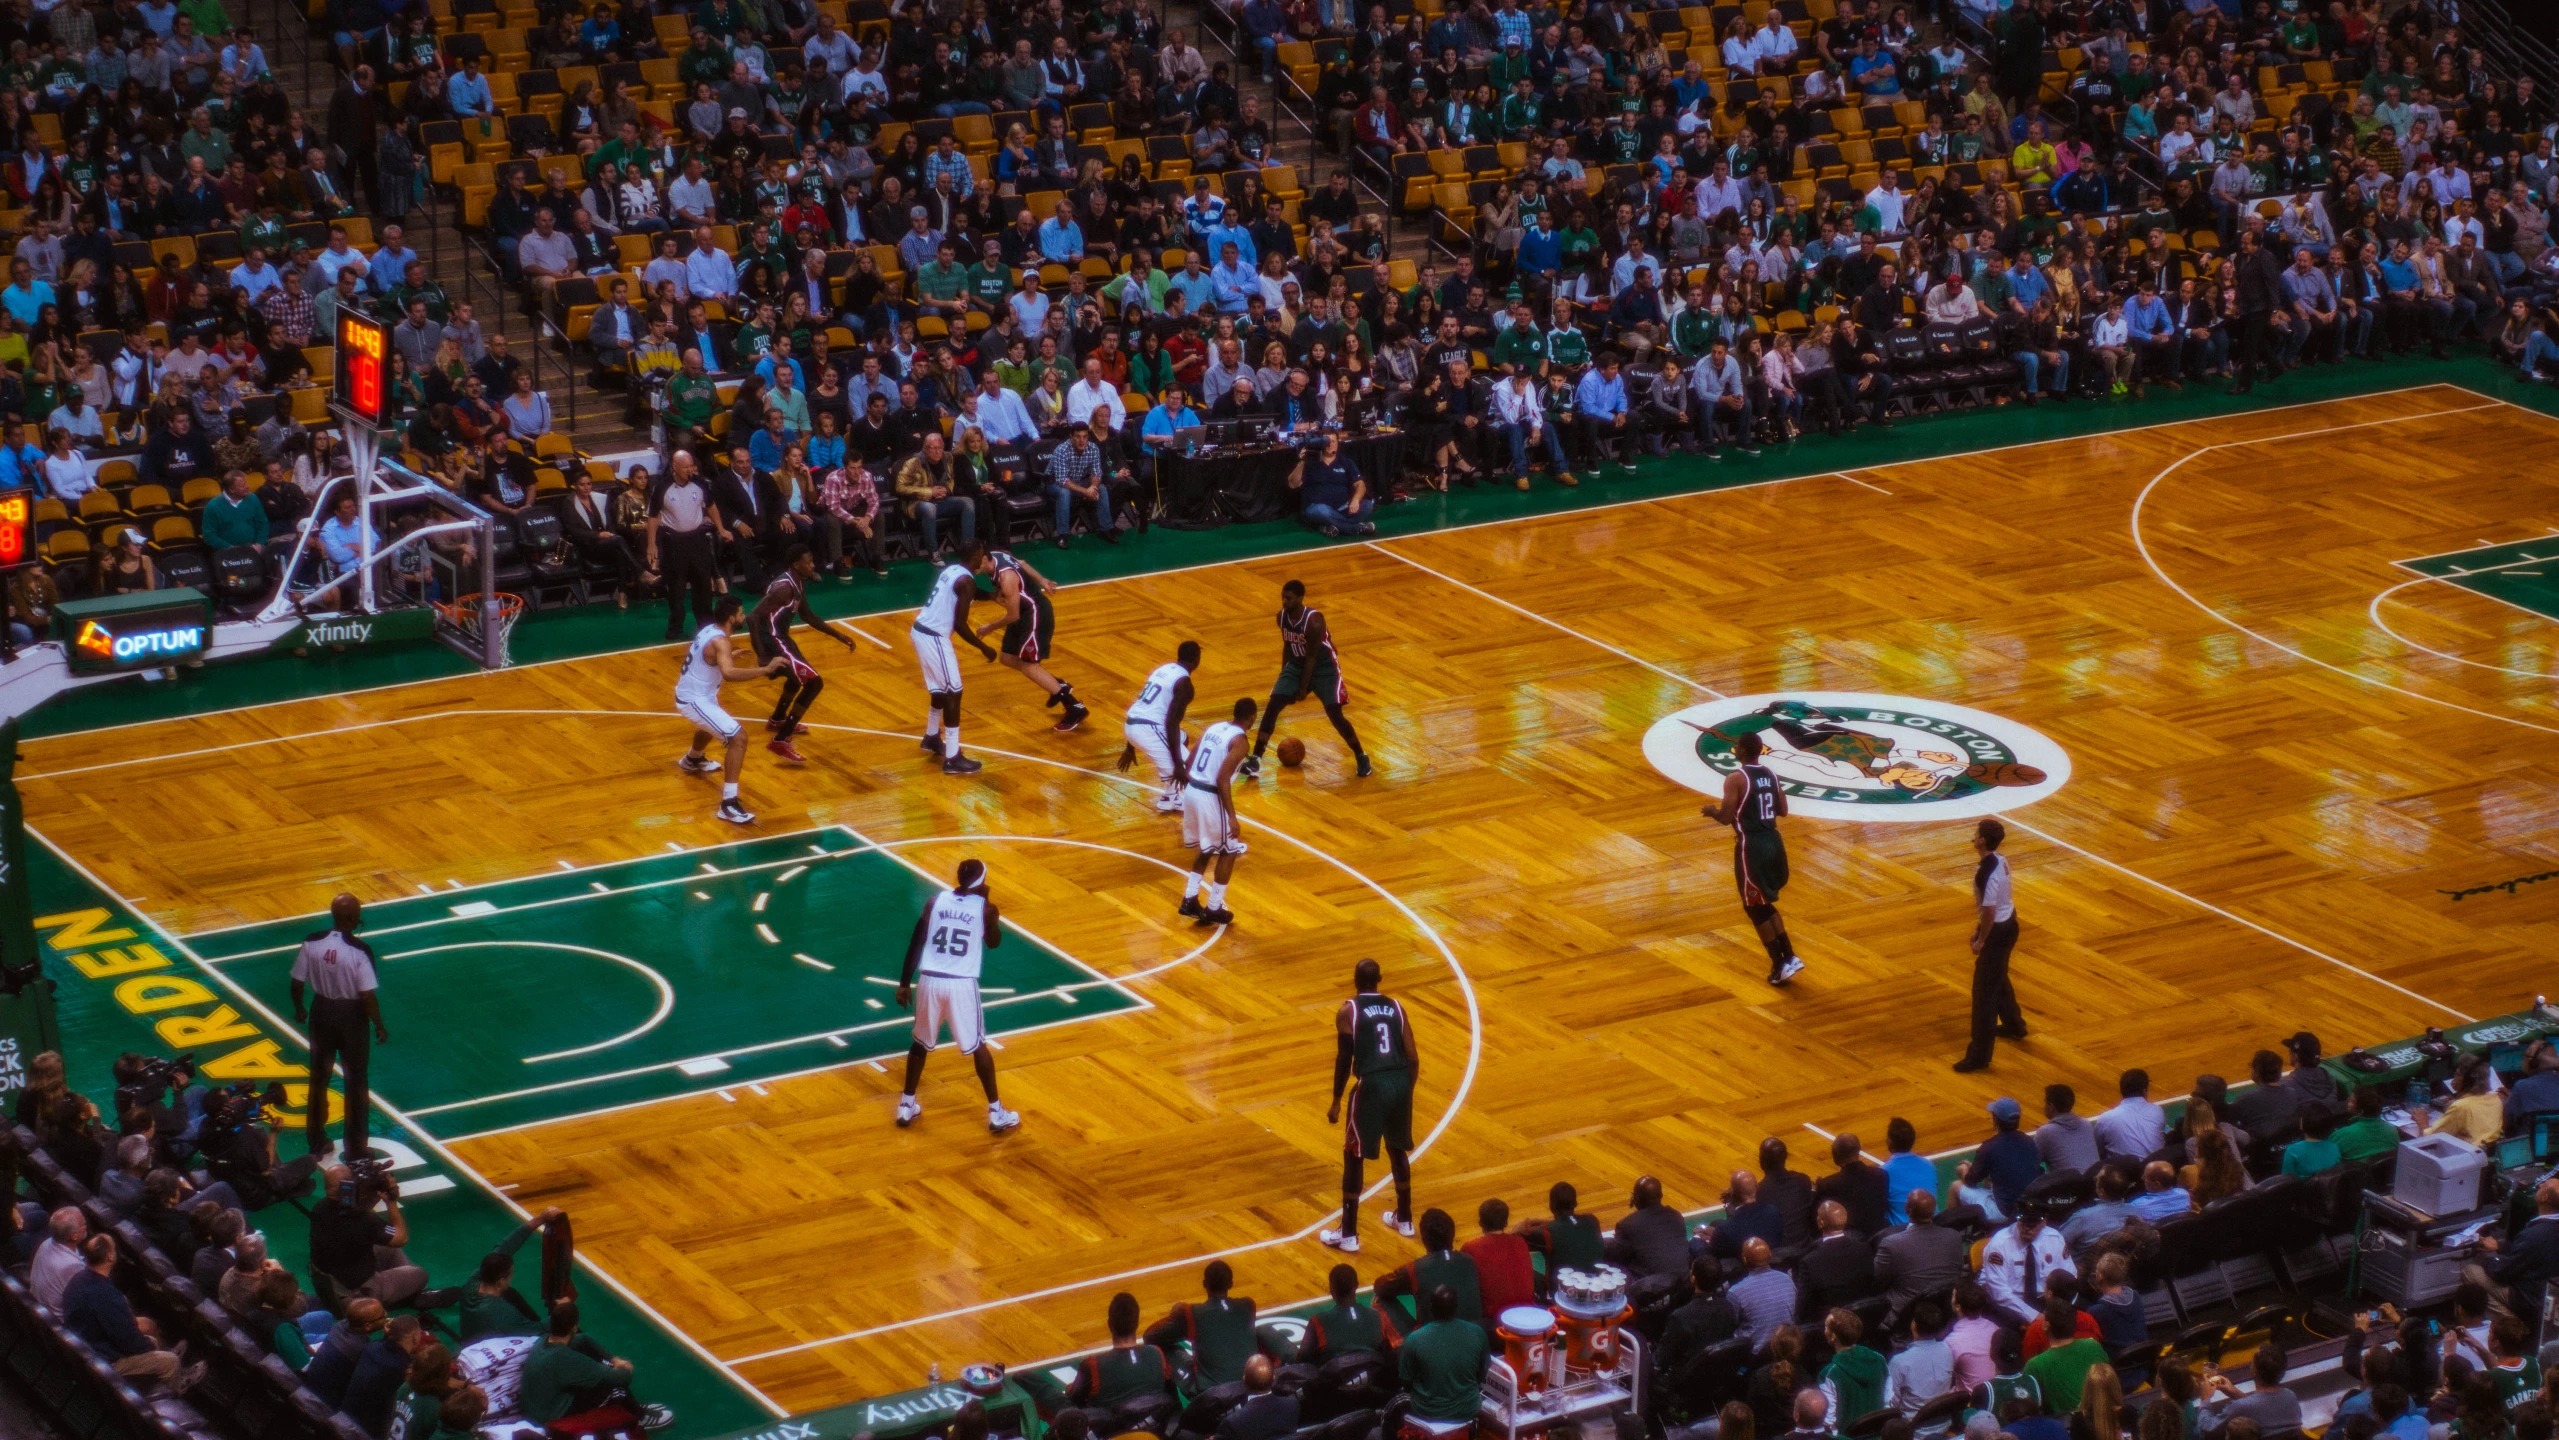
17 526
362 384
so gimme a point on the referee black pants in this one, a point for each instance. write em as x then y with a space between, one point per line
1994 999
685 561
341 1039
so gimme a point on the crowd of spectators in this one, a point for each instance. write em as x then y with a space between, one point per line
367 1334
1994 1295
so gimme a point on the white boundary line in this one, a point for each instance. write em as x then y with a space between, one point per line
2372 612
444 1153
2037 831
1286 553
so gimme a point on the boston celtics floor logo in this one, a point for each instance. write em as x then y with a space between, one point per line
1846 755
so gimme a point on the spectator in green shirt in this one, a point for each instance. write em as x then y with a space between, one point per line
563 1378
1442 1363
2062 1371
2316 1152
2367 1137
491 1306
941 288
234 517
692 396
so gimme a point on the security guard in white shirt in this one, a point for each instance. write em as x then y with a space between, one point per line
1994 937
336 967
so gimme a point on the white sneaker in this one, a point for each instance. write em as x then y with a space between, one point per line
1788 971
1168 804
692 764
909 1109
736 814
1347 1244
1400 1224
999 1119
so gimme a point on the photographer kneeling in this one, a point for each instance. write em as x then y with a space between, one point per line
361 1251
238 1149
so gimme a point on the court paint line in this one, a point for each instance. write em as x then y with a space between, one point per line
2161 575
2373 610
1290 554
1457 1101
2162 886
835 1036
443 1152
1853 480
666 992
1063 992
590 893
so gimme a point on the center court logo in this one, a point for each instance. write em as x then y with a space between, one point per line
1848 755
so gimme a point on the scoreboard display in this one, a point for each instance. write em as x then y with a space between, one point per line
17 526
362 380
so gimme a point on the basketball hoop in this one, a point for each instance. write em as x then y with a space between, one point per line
469 617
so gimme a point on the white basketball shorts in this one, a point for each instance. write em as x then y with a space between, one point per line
708 715
940 662
942 1000
1149 739
1206 826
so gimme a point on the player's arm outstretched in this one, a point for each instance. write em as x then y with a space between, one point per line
1345 1027
719 655
810 617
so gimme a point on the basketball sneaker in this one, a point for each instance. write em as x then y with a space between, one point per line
1347 1244
782 746
1075 715
1788 971
999 1119
930 744
654 1418
692 764
1252 766
1400 1224
909 1110
1215 917
736 814
1168 803
1191 907
961 765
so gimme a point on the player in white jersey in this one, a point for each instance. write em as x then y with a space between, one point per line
1209 825
945 614
1155 723
697 698
940 981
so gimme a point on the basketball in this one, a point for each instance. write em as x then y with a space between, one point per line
2005 772
1292 752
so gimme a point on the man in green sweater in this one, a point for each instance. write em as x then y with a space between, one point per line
1442 1363
234 517
2367 1137
563 1379
490 1305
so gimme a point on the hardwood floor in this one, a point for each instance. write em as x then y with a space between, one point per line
2256 837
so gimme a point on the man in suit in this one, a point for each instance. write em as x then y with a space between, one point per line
1837 1271
1264 1414
1791 1191
1857 1184
751 506
587 521
615 330
1920 1259
355 128
2518 1268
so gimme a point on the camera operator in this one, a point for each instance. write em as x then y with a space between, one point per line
359 1249
143 1086
338 968
238 1149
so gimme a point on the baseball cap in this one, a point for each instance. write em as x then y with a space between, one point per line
2005 1110
2303 1044
736 113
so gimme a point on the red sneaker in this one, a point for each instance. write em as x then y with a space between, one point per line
786 750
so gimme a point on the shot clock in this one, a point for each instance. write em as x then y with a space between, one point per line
362 380
17 526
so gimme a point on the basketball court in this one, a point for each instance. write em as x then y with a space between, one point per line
2258 697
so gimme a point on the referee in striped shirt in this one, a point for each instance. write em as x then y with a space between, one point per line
344 1014
682 524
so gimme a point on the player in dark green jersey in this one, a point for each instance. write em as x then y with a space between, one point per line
1752 804
1374 1041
